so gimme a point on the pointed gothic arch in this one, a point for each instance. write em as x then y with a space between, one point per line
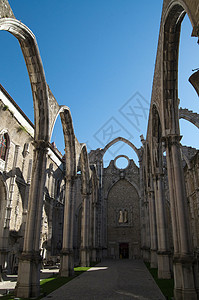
118 139
132 183
189 116
36 74
70 141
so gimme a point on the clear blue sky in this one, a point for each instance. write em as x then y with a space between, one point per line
99 58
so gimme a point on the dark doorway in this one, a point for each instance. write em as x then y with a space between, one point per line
124 250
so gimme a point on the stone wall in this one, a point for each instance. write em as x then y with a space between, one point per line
191 174
122 202
15 179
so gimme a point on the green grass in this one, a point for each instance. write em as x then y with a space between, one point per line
50 284
165 285
81 269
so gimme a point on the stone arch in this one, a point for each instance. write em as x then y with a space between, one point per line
189 116
69 139
36 73
172 19
118 139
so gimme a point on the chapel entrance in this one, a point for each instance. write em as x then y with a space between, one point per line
124 250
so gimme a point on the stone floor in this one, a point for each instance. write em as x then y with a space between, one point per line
111 279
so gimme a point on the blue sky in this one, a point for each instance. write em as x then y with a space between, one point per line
99 58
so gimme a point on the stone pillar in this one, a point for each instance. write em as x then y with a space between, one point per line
146 232
195 203
162 230
67 259
102 226
89 241
94 257
25 205
183 263
144 214
153 229
85 261
28 282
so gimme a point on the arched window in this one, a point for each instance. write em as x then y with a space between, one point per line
3 146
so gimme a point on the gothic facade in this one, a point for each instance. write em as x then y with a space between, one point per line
70 208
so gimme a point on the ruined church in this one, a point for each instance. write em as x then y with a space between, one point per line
71 210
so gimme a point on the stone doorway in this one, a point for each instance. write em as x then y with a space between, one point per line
124 250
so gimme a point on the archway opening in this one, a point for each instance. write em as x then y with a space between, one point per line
189 133
188 53
14 76
117 149
57 138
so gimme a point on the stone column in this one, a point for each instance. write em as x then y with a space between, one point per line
94 257
28 283
89 240
144 213
195 203
67 259
184 275
162 230
153 229
25 205
84 231
146 232
102 232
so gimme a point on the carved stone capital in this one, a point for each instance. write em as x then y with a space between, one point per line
67 251
173 139
158 175
40 145
183 258
164 252
85 194
33 256
70 178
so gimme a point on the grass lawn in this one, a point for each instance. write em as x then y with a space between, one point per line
50 284
165 285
